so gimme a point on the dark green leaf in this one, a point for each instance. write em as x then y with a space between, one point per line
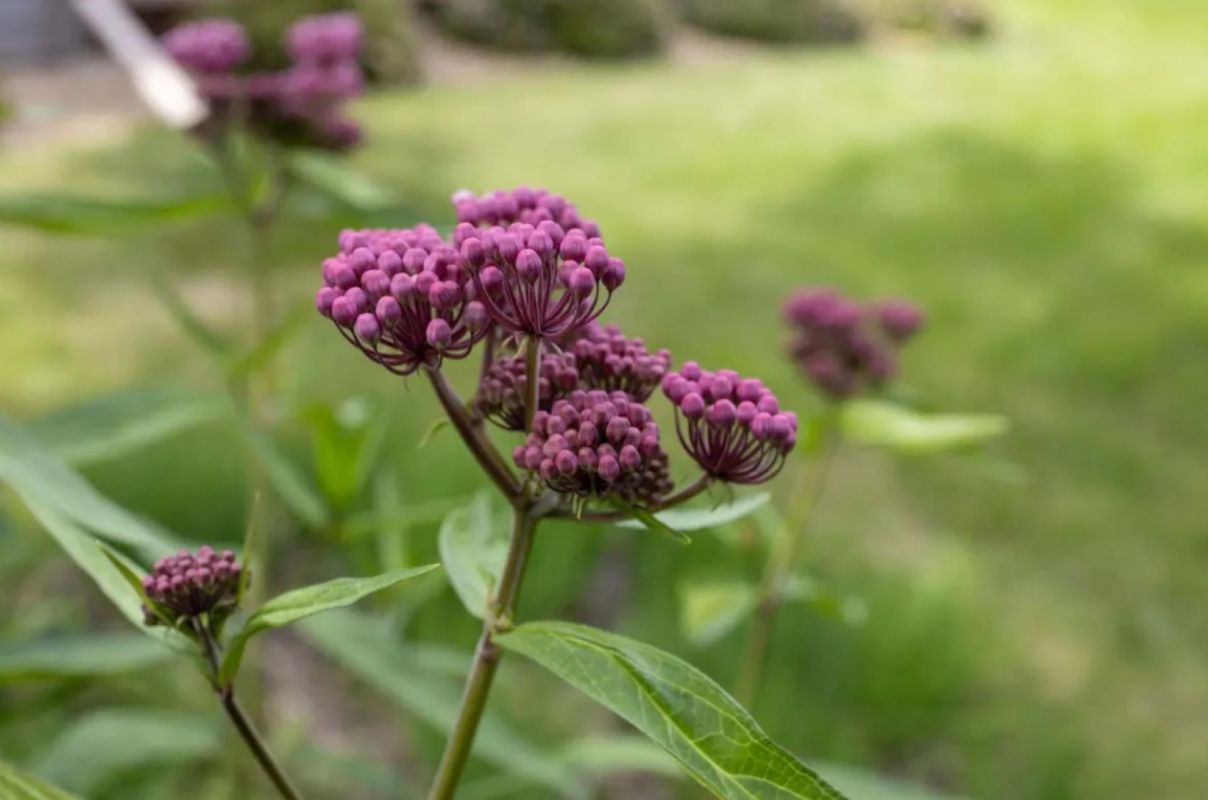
680 708
44 481
698 519
84 656
368 649
305 602
105 217
473 549
708 611
346 442
17 786
877 422
118 424
96 748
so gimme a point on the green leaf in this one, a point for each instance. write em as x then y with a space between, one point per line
346 442
676 705
17 786
250 553
118 424
699 519
877 422
97 748
436 427
653 523
473 549
340 181
604 755
708 611
74 657
867 785
368 649
294 488
263 353
105 217
305 602
211 341
800 589
42 480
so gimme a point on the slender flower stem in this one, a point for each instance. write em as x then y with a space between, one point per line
782 556
527 511
255 743
532 371
476 440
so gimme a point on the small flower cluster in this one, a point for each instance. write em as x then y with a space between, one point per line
302 103
500 395
402 297
189 585
732 427
541 281
530 206
596 443
610 360
845 348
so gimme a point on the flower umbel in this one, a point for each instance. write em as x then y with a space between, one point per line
731 426
189 585
843 347
402 297
608 359
531 206
540 280
597 444
501 391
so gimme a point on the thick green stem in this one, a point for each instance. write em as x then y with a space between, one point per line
248 732
782 556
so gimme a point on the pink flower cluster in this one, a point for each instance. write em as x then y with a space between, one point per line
608 359
500 395
188 585
302 104
846 348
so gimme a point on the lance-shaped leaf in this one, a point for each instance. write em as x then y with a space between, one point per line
105 216
74 657
473 549
877 422
699 519
642 518
16 785
674 704
293 487
340 181
305 602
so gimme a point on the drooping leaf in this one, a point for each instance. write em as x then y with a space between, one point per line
105 216
877 422
473 549
708 611
367 649
699 519
306 602
652 522
867 785
97 748
19 786
677 706
42 480
83 656
118 424
336 178
436 427
262 354
293 487
213 343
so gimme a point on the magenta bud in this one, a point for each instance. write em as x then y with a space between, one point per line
375 282
367 327
608 468
361 259
413 260
324 299
722 414
343 311
614 275
630 458
402 286
528 265
596 260
388 311
390 263
444 294
574 247
693 406
475 316
439 334
473 253
566 462
508 247
491 278
344 277
582 282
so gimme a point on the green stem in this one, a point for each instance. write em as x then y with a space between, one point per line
532 367
248 732
782 556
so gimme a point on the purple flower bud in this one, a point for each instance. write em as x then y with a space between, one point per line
324 299
367 327
343 311
375 282
582 282
389 312
693 406
439 334
528 266
390 263
609 469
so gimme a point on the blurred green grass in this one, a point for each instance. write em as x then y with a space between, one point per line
1035 628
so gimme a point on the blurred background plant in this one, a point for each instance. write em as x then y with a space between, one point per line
1030 612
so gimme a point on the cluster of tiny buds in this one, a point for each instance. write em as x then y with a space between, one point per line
539 280
732 426
402 297
303 102
531 206
597 444
189 585
501 391
843 347
608 359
